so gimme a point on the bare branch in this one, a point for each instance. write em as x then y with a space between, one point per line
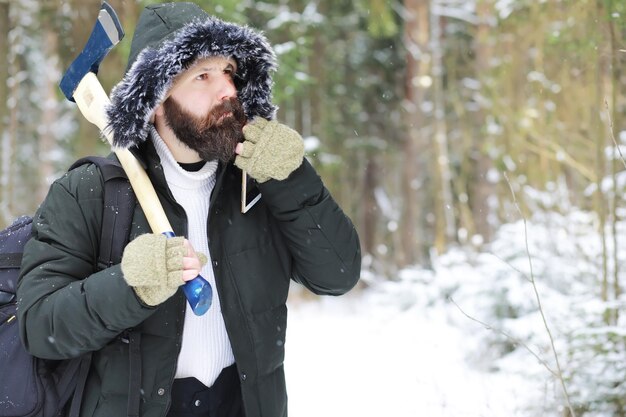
539 305
512 267
508 336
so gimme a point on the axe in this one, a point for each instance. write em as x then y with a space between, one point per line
80 84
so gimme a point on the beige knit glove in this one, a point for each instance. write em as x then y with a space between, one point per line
153 265
270 150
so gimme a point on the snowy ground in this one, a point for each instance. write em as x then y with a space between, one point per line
370 354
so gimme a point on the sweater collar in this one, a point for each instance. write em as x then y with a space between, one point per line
176 175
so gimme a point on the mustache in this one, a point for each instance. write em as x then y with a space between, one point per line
224 110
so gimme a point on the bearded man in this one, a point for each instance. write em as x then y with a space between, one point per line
195 108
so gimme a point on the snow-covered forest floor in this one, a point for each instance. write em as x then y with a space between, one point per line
372 354
413 345
365 357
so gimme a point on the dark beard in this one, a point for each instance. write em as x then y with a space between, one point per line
210 137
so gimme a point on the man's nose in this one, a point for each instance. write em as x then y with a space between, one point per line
227 88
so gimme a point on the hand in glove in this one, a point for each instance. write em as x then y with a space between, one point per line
156 266
270 150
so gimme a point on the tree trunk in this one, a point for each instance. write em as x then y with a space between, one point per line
616 74
416 38
5 142
599 131
9 139
4 69
370 208
49 116
316 92
616 164
445 219
482 190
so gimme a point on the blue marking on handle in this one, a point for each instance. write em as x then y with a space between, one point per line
198 291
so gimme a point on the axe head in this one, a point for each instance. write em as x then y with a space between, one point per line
106 33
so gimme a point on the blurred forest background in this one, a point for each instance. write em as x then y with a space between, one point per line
419 107
414 110
433 122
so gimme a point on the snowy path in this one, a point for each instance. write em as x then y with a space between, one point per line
352 356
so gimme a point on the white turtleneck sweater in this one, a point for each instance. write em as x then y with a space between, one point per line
206 349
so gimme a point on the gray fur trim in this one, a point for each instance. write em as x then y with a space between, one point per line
145 85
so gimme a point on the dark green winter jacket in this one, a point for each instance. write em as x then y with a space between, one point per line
296 231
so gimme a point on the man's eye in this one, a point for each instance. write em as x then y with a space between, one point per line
202 76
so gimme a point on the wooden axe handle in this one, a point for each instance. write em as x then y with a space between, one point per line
92 100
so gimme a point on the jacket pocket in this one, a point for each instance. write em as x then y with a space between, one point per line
261 280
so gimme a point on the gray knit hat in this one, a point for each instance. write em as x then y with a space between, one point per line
168 39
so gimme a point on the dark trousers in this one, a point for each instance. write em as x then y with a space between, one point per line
191 398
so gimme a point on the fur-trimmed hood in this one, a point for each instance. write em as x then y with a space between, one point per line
169 38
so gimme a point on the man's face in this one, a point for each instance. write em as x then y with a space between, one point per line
203 111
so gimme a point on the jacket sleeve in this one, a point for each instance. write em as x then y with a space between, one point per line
64 308
323 241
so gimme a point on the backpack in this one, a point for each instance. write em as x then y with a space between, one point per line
34 387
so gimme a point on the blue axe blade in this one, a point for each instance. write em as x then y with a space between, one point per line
106 33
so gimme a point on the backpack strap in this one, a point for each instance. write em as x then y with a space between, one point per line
119 206
117 217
